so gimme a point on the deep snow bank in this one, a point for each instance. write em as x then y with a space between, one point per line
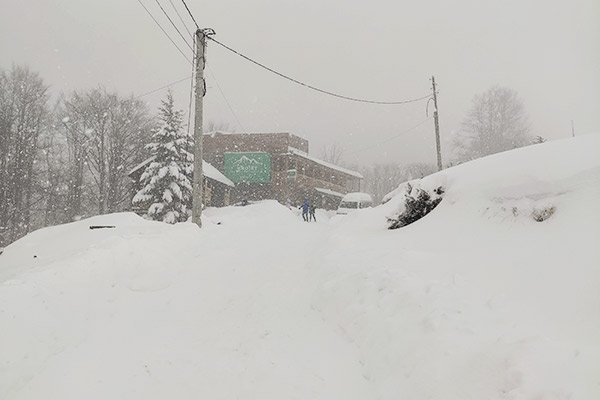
473 301
485 299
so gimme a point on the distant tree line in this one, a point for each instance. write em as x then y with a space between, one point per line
496 122
69 158
64 160
381 179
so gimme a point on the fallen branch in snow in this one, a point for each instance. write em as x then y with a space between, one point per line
102 226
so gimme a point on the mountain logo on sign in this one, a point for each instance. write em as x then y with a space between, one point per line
247 160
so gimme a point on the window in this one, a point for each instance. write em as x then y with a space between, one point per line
366 204
349 204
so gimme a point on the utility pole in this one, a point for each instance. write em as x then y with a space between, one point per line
437 125
200 91
572 128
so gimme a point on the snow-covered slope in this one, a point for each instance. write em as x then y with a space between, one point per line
476 300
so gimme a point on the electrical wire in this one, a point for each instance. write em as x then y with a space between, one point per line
180 18
297 81
191 88
162 29
226 101
393 137
211 72
160 88
173 24
256 63
189 12
313 87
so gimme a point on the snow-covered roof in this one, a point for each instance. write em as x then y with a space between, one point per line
211 172
329 192
302 154
207 170
358 196
213 133
217 132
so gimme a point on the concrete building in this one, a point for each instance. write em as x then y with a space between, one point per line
277 166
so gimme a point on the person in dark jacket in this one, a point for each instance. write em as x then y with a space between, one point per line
305 207
311 212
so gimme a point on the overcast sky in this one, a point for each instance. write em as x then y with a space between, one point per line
548 51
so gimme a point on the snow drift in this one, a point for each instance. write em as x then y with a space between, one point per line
475 300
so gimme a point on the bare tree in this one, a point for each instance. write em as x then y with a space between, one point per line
418 170
74 119
106 136
333 154
23 110
496 122
380 179
212 126
53 177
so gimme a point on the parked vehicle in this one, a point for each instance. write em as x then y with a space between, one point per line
354 201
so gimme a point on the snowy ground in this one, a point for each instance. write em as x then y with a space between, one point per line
475 301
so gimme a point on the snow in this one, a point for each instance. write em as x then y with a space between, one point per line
302 154
211 172
143 164
474 301
207 170
329 192
357 197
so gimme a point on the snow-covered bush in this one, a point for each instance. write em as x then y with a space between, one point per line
542 214
417 204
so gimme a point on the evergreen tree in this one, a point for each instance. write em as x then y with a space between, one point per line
167 180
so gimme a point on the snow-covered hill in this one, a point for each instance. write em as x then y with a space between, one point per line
476 300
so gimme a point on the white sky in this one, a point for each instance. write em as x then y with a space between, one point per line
549 52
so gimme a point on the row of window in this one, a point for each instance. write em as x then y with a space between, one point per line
312 170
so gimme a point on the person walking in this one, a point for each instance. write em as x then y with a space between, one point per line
311 212
305 207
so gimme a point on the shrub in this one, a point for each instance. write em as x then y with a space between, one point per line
543 214
418 203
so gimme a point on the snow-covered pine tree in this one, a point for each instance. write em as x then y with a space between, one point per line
167 180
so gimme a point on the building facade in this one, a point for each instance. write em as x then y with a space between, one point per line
277 166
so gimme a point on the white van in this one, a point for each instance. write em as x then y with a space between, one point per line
354 201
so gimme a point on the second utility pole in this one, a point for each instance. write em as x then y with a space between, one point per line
200 91
437 126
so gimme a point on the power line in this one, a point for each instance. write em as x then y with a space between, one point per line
165 32
174 26
226 101
161 88
190 47
395 136
313 87
211 72
180 18
191 86
189 12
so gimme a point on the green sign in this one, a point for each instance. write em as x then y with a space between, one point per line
248 167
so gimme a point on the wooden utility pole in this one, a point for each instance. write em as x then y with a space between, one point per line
200 91
437 126
572 129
